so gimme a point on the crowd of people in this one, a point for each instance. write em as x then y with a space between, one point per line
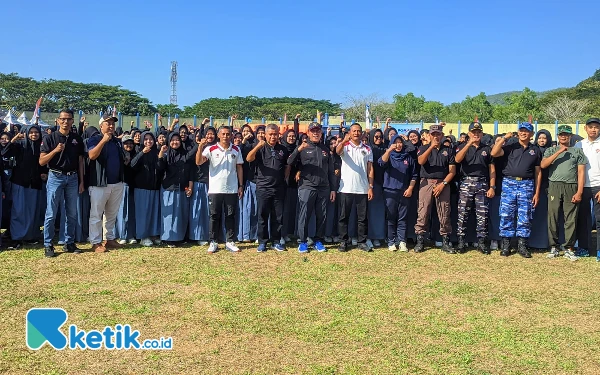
273 186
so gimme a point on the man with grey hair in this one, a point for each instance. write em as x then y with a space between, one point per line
271 173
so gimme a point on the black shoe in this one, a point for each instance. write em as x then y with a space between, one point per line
49 251
461 244
522 248
364 247
16 245
72 248
483 247
419 246
342 247
505 247
446 245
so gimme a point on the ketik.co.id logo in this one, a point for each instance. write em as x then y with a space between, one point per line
43 325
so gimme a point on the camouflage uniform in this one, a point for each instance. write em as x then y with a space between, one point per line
516 199
473 189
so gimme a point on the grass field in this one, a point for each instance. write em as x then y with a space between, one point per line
321 313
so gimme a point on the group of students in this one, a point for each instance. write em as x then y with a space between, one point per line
358 188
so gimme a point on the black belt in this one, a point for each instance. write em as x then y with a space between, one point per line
63 173
518 178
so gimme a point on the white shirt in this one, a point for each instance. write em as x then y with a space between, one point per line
222 170
592 168
354 178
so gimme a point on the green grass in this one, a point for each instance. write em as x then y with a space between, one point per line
331 313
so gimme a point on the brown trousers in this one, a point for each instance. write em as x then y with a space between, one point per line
442 203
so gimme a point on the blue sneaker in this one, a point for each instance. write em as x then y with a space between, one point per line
303 248
278 247
261 248
582 253
319 247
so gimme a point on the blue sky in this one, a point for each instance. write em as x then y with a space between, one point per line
443 50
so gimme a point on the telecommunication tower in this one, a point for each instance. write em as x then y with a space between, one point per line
174 82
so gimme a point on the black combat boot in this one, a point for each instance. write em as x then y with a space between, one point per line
419 246
446 245
482 246
522 248
461 247
505 249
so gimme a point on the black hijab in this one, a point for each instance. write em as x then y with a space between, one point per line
175 155
386 136
90 131
32 147
288 146
548 140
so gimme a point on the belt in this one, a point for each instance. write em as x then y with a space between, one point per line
63 173
518 178
475 178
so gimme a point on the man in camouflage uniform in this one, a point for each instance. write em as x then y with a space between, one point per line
520 187
478 184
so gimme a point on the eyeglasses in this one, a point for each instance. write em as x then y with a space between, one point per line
377 137
65 119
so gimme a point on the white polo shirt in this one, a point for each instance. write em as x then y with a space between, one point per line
354 178
222 170
592 168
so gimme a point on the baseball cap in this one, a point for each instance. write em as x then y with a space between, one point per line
314 125
593 120
126 138
106 118
526 125
565 129
435 129
475 126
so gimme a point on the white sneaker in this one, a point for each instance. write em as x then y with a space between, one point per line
355 241
122 242
328 240
231 247
255 241
282 242
494 245
202 243
392 248
368 243
60 243
147 242
438 243
309 241
376 243
298 240
212 248
403 247
132 241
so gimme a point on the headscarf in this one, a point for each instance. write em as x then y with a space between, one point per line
398 156
548 140
377 151
32 147
12 129
90 131
211 129
118 131
486 139
386 136
288 146
416 132
575 138
154 148
372 139
175 155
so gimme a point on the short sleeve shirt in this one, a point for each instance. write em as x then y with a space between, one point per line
438 163
110 154
354 179
67 160
222 168
270 167
564 167
477 161
521 161
591 149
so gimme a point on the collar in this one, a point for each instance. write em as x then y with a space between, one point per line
223 149
360 145
586 140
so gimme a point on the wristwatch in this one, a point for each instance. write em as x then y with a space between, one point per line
493 187
444 182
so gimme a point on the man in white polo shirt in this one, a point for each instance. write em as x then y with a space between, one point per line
224 185
356 185
591 190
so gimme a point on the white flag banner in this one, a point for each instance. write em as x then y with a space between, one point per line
368 116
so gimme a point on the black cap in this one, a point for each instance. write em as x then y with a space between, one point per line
593 120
